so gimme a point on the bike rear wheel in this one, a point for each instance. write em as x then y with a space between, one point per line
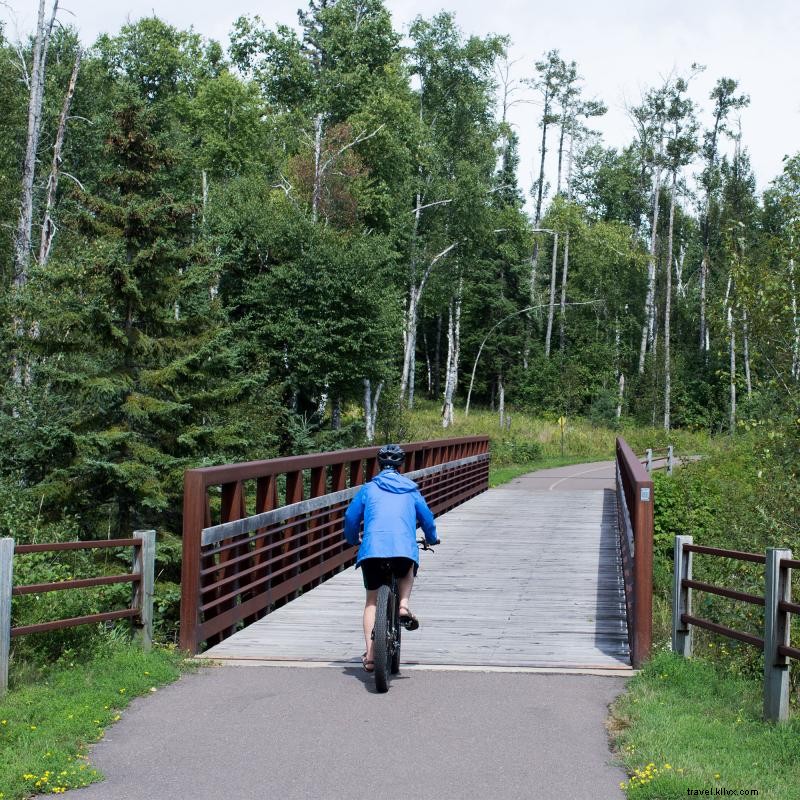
383 637
396 630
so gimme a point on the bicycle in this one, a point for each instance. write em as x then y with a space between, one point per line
386 633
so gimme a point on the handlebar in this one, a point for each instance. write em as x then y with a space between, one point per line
423 543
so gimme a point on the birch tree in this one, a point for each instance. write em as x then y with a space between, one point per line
680 149
22 240
48 224
725 101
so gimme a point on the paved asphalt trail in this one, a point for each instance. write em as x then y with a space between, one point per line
323 733
263 732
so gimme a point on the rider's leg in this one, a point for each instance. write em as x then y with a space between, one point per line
369 619
404 586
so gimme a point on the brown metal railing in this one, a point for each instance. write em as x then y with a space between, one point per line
635 524
257 534
141 578
776 602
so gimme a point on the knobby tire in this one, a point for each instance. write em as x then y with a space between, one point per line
382 633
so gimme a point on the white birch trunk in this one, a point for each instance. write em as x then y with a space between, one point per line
370 408
453 352
551 309
316 192
22 238
796 323
501 400
668 307
704 337
48 226
427 361
679 261
621 394
732 353
562 318
649 306
746 332
410 327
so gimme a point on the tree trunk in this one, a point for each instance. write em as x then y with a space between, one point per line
409 339
621 394
796 324
336 414
732 353
370 408
48 226
668 306
703 329
437 357
453 353
562 318
747 354
551 309
22 238
427 358
649 306
501 401
316 193
681 289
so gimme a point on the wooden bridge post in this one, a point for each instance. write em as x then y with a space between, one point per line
144 558
649 461
6 585
669 460
194 519
778 589
682 598
642 573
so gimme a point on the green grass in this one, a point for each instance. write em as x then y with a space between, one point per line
686 724
583 441
47 726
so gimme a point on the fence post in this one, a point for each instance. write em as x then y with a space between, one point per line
682 598
649 460
669 460
778 588
144 559
6 585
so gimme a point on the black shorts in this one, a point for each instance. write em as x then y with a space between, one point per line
378 572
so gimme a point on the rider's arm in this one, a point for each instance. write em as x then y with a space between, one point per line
425 518
353 517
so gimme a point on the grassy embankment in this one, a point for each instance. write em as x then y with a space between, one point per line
685 724
46 726
532 443
696 724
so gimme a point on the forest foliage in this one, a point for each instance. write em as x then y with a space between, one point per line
274 244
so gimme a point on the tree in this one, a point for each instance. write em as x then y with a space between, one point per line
725 101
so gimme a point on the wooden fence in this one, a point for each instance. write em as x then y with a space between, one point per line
257 534
777 604
141 576
635 525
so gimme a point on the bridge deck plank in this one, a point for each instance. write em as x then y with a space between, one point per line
528 579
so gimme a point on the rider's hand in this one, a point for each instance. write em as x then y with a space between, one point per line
438 541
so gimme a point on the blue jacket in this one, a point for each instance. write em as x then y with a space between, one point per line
391 507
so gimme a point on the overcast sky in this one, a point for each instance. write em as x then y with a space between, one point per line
621 46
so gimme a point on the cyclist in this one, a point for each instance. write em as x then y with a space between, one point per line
391 507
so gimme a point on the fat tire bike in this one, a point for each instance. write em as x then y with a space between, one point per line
386 635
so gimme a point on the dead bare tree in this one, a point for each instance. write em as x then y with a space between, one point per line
48 225
22 239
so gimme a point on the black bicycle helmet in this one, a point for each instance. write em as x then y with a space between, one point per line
391 455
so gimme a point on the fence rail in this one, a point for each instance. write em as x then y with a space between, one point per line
141 578
635 525
256 534
777 603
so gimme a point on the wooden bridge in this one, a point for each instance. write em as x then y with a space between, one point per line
548 571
